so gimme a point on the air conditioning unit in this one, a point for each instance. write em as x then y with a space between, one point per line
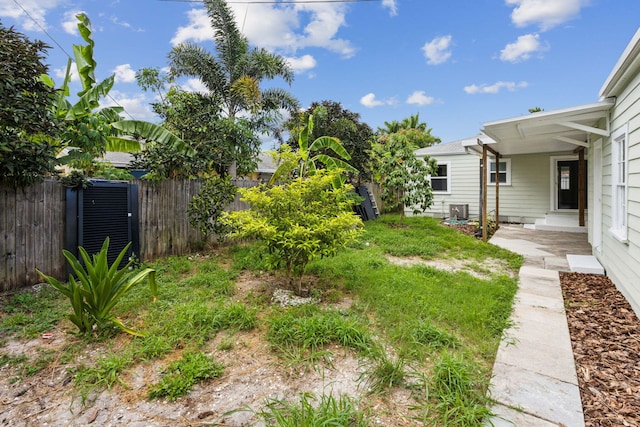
460 211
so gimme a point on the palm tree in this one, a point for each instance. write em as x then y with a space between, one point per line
233 74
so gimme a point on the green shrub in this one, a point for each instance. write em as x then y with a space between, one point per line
183 374
99 287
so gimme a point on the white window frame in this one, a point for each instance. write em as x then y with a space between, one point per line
619 183
492 165
447 178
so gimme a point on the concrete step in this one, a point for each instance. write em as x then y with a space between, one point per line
585 264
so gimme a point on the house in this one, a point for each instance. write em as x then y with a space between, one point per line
573 169
456 185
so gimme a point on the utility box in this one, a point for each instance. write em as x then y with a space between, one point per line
459 211
105 208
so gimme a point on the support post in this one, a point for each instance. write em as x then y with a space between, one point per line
581 187
484 195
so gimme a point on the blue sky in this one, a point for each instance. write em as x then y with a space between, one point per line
458 63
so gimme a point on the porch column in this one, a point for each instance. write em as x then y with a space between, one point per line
582 178
484 194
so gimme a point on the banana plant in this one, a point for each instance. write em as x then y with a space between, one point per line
89 132
305 163
98 287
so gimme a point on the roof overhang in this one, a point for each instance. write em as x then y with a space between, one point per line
552 131
624 70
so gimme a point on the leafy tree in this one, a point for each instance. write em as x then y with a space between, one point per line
233 76
331 119
216 141
536 110
298 221
415 130
26 156
207 206
404 178
303 163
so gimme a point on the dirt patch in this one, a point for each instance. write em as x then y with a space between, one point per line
489 267
605 335
253 374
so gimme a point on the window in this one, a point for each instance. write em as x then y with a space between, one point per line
619 165
504 171
442 182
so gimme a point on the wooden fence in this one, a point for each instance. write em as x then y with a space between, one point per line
33 221
32 227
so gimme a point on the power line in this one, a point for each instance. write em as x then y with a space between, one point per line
41 27
63 50
275 1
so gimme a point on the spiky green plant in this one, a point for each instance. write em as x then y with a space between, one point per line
98 287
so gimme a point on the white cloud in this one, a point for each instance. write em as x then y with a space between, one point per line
391 4
437 50
370 101
125 24
199 28
544 13
70 22
522 49
302 64
420 98
37 11
136 105
62 72
277 27
124 74
194 85
495 88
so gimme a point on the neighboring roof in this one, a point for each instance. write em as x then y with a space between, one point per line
624 70
450 148
266 163
549 131
117 159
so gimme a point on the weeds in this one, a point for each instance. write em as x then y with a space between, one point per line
307 412
183 374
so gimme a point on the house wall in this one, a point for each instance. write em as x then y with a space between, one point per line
528 196
525 199
464 185
621 260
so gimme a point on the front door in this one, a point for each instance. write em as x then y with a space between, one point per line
567 184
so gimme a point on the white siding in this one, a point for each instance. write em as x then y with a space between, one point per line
528 196
464 172
621 260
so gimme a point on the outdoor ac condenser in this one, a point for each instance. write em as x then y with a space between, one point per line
460 211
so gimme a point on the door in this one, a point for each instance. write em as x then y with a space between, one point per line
567 172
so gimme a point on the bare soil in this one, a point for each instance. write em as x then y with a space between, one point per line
605 335
253 374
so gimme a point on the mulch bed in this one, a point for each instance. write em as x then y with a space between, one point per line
605 335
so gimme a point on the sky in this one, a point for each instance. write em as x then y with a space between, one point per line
457 63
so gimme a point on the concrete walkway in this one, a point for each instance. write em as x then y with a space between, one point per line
534 378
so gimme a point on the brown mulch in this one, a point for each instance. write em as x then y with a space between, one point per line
605 335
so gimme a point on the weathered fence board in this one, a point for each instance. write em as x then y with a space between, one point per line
32 222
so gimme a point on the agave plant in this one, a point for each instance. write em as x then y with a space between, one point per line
98 287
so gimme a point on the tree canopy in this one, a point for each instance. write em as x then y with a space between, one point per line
332 119
25 116
232 75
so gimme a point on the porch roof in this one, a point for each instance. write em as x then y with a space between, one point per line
546 132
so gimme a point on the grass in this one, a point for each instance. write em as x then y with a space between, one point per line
433 332
181 375
308 412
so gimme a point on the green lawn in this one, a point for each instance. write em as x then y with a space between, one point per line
430 331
